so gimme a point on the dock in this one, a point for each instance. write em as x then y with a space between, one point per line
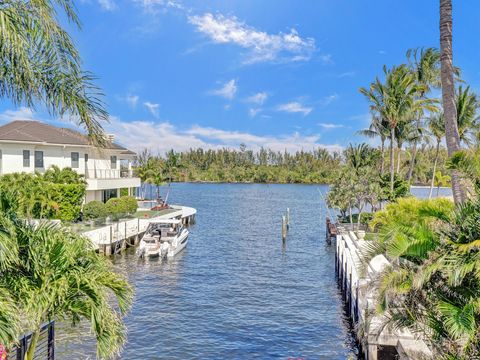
113 238
360 299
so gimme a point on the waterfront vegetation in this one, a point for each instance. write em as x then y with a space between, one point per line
432 283
56 194
50 273
268 166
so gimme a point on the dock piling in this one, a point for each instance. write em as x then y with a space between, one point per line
284 227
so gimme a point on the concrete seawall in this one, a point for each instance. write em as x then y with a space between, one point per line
357 284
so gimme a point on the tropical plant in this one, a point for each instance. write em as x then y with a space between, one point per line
436 126
48 273
425 65
441 180
396 101
94 210
40 64
448 93
378 128
467 104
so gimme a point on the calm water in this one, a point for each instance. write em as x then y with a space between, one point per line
236 292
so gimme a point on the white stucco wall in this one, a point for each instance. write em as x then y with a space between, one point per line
97 167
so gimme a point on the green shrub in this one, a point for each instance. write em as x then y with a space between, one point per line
129 204
124 192
67 200
94 210
115 208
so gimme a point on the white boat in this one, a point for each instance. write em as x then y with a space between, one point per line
163 238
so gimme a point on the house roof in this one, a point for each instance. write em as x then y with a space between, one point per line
38 132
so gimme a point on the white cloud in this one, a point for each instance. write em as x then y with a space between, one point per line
153 7
330 126
139 135
107 5
261 46
153 108
327 100
346 74
253 112
258 98
227 91
295 107
23 113
132 100
326 58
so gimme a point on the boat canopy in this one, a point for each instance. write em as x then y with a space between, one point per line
166 221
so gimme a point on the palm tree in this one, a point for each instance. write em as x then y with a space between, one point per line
425 65
50 273
395 101
448 93
360 156
406 131
436 126
155 175
40 64
378 128
467 104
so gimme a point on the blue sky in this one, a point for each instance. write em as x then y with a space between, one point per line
278 73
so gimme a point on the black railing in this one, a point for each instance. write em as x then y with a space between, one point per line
45 349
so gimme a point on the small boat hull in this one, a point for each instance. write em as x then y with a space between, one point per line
182 243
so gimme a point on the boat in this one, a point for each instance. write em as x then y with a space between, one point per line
163 238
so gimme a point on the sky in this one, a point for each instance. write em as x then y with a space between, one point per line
282 74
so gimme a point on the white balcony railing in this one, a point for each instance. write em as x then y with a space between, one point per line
108 173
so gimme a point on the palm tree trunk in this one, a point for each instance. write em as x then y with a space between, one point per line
29 355
434 170
382 164
399 157
412 162
392 164
448 94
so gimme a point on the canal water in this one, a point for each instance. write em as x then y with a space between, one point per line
236 292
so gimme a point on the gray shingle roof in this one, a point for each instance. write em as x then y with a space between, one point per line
35 131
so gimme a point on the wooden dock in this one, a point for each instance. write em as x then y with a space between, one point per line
113 238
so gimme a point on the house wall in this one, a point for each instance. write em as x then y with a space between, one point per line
97 170
99 160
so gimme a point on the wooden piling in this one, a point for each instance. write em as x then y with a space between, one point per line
284 227
288 218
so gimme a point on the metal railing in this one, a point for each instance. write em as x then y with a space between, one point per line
45 349
108 173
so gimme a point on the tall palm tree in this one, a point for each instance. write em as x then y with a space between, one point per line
406 131
436 126
40 64
378 128
467 104
48 273
425 65
396 100
448 94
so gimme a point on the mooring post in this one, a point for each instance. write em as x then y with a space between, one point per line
284 228
288 218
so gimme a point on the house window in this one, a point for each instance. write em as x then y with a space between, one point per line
113 162
74 157
39 159
26 158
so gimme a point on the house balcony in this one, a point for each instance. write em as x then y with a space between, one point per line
104 179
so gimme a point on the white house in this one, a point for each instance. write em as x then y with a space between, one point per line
29 146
